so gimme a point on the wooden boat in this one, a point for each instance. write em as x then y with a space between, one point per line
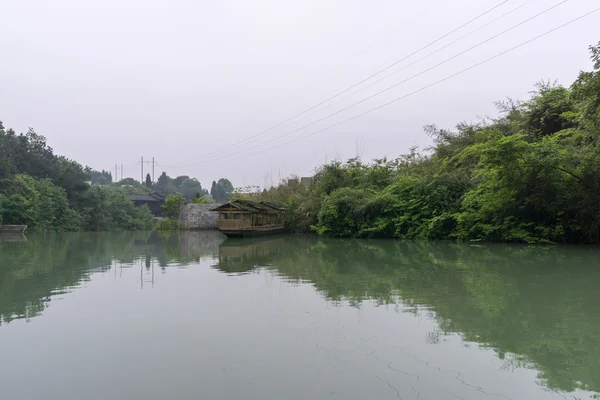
243 218
13 229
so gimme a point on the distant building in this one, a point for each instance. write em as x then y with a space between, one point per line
154 201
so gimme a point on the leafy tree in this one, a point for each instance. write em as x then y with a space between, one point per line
201 199
221 190
164 184
172 210
183 185
50 193
101 177
108 209
530 175
172 206
189 187
148 181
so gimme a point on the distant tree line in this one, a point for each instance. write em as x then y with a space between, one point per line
101 177
189 188
48 192
184 185
530 175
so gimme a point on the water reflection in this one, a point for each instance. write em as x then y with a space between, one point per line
33 270
238 256
538 303
535 307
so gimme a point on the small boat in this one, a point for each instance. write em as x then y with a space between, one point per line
13 229
244 218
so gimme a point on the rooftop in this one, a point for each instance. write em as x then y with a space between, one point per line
146 197
253 206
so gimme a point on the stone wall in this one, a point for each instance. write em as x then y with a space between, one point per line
199 216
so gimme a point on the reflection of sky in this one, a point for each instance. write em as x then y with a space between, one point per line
216 333
203 334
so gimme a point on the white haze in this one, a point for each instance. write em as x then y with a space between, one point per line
110 81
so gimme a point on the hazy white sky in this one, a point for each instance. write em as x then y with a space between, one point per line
110 81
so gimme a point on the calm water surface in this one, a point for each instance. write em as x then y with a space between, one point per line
194 316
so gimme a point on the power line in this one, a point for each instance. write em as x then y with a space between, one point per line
401 82
337 66
424 87
349 88
416 62
362 51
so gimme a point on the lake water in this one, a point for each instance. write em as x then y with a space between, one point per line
194 316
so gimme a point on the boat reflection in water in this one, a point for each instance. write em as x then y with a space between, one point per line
238 256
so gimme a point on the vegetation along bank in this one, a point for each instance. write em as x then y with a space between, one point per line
530 175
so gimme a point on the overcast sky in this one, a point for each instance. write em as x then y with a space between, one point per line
109 81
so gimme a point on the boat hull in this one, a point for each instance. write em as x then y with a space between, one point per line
250 232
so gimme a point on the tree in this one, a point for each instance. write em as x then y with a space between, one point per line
222 190
164 184
172 206
101 177
148 181
213 190
172 210
530 175
189 187
201 199
106 208
50 192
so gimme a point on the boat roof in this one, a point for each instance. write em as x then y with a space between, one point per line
252 206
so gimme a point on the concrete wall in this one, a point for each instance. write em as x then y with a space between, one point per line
199 216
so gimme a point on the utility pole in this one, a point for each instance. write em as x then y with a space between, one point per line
121 171
142 162
116 174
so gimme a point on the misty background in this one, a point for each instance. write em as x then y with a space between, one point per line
110 81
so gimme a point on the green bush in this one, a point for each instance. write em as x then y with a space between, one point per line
531 175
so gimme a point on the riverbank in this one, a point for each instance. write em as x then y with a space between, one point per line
530 175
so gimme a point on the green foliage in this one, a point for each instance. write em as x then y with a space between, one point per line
128 182
531 175
222 190
50 193
199 199
171 211
167 224
131 186
172 206
523 302
39 204
108 209
101 177
184 185
148 181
